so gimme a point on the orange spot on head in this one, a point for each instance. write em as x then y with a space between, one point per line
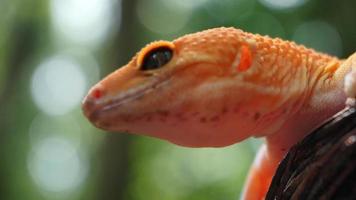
245 58
97 93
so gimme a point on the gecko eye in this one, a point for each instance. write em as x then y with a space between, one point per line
156 58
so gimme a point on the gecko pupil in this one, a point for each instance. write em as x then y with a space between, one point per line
157 58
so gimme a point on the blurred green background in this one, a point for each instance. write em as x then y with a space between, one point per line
52 51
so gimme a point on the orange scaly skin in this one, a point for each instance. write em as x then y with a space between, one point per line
220 87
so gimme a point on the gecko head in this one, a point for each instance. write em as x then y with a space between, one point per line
194 91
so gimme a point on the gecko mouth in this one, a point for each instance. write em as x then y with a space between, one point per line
133 94
94 108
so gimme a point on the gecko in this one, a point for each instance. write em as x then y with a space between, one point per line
217 87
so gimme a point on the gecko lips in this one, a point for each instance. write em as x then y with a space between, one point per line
102 110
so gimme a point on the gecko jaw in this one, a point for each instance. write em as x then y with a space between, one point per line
93 107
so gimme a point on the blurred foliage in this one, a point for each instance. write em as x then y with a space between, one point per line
118 166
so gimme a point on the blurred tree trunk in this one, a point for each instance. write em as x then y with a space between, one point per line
22 31
115 164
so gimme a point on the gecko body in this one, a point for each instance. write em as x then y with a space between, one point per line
218 87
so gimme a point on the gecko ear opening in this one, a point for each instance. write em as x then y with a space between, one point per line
155 55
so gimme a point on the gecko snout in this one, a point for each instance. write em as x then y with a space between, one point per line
91 103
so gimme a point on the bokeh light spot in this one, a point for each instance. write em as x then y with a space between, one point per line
224 11
320 36
56 166
188 4
66 126
282 4
58 85
174 165
84 21
161 17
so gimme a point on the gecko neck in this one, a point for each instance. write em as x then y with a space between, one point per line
324 98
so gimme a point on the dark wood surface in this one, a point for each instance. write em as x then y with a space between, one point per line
322 165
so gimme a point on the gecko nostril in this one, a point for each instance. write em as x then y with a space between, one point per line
97 93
